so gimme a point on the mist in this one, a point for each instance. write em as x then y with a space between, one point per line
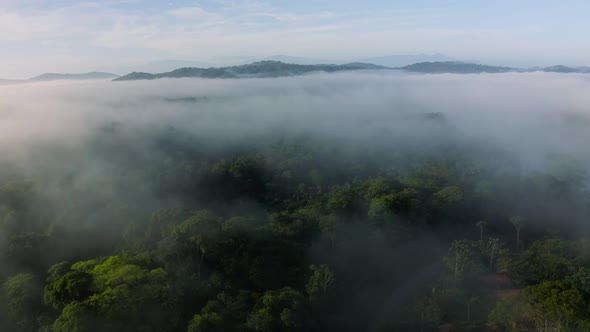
529 115
97 160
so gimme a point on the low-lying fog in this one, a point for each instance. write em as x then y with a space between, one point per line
104 158
530 114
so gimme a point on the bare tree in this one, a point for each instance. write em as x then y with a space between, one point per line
460 253
494 245
517 222
481 224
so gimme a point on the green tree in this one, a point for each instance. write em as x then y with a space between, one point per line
545 260
581 281
241 176
342 200
207 322
377 187
427 310
187 244
72 286
224 313
449 195
120 295
279 310
320 281
556 305
78 317
382 207
512 312
24 300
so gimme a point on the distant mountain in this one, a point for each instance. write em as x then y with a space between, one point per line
406 59
162 66
564 69
454 67
4 81
83 76
298 60
269 68
256 69
365 66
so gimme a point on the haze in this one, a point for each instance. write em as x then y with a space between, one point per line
104 163
286 166
114 36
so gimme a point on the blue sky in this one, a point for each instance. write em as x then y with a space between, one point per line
64 35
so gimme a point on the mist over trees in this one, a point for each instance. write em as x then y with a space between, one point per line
345 202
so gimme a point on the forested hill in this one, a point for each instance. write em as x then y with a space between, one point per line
256 69
83 76
457 67
281 69
454 67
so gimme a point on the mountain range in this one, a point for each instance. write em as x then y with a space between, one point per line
275 68
278 69
406 59
64 77
253 70
83 76
167 65
456 67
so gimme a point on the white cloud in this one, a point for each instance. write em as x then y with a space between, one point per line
190 13
86 30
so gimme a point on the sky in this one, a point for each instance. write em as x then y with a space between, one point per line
38 36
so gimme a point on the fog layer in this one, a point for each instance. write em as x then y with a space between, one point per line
97 162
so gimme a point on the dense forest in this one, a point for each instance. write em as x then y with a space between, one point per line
409 224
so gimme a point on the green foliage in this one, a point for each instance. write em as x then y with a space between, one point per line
556 304
512 312
280 310
320 281
427 311
378 187
208 322
551 305
292 225
70 287
110 294
449 195
383 207
545 260
225 313
342 200
581 281
223 239
241 176
76 317
24 300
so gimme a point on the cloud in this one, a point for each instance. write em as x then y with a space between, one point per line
245 28
35 33
191 13
512 110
